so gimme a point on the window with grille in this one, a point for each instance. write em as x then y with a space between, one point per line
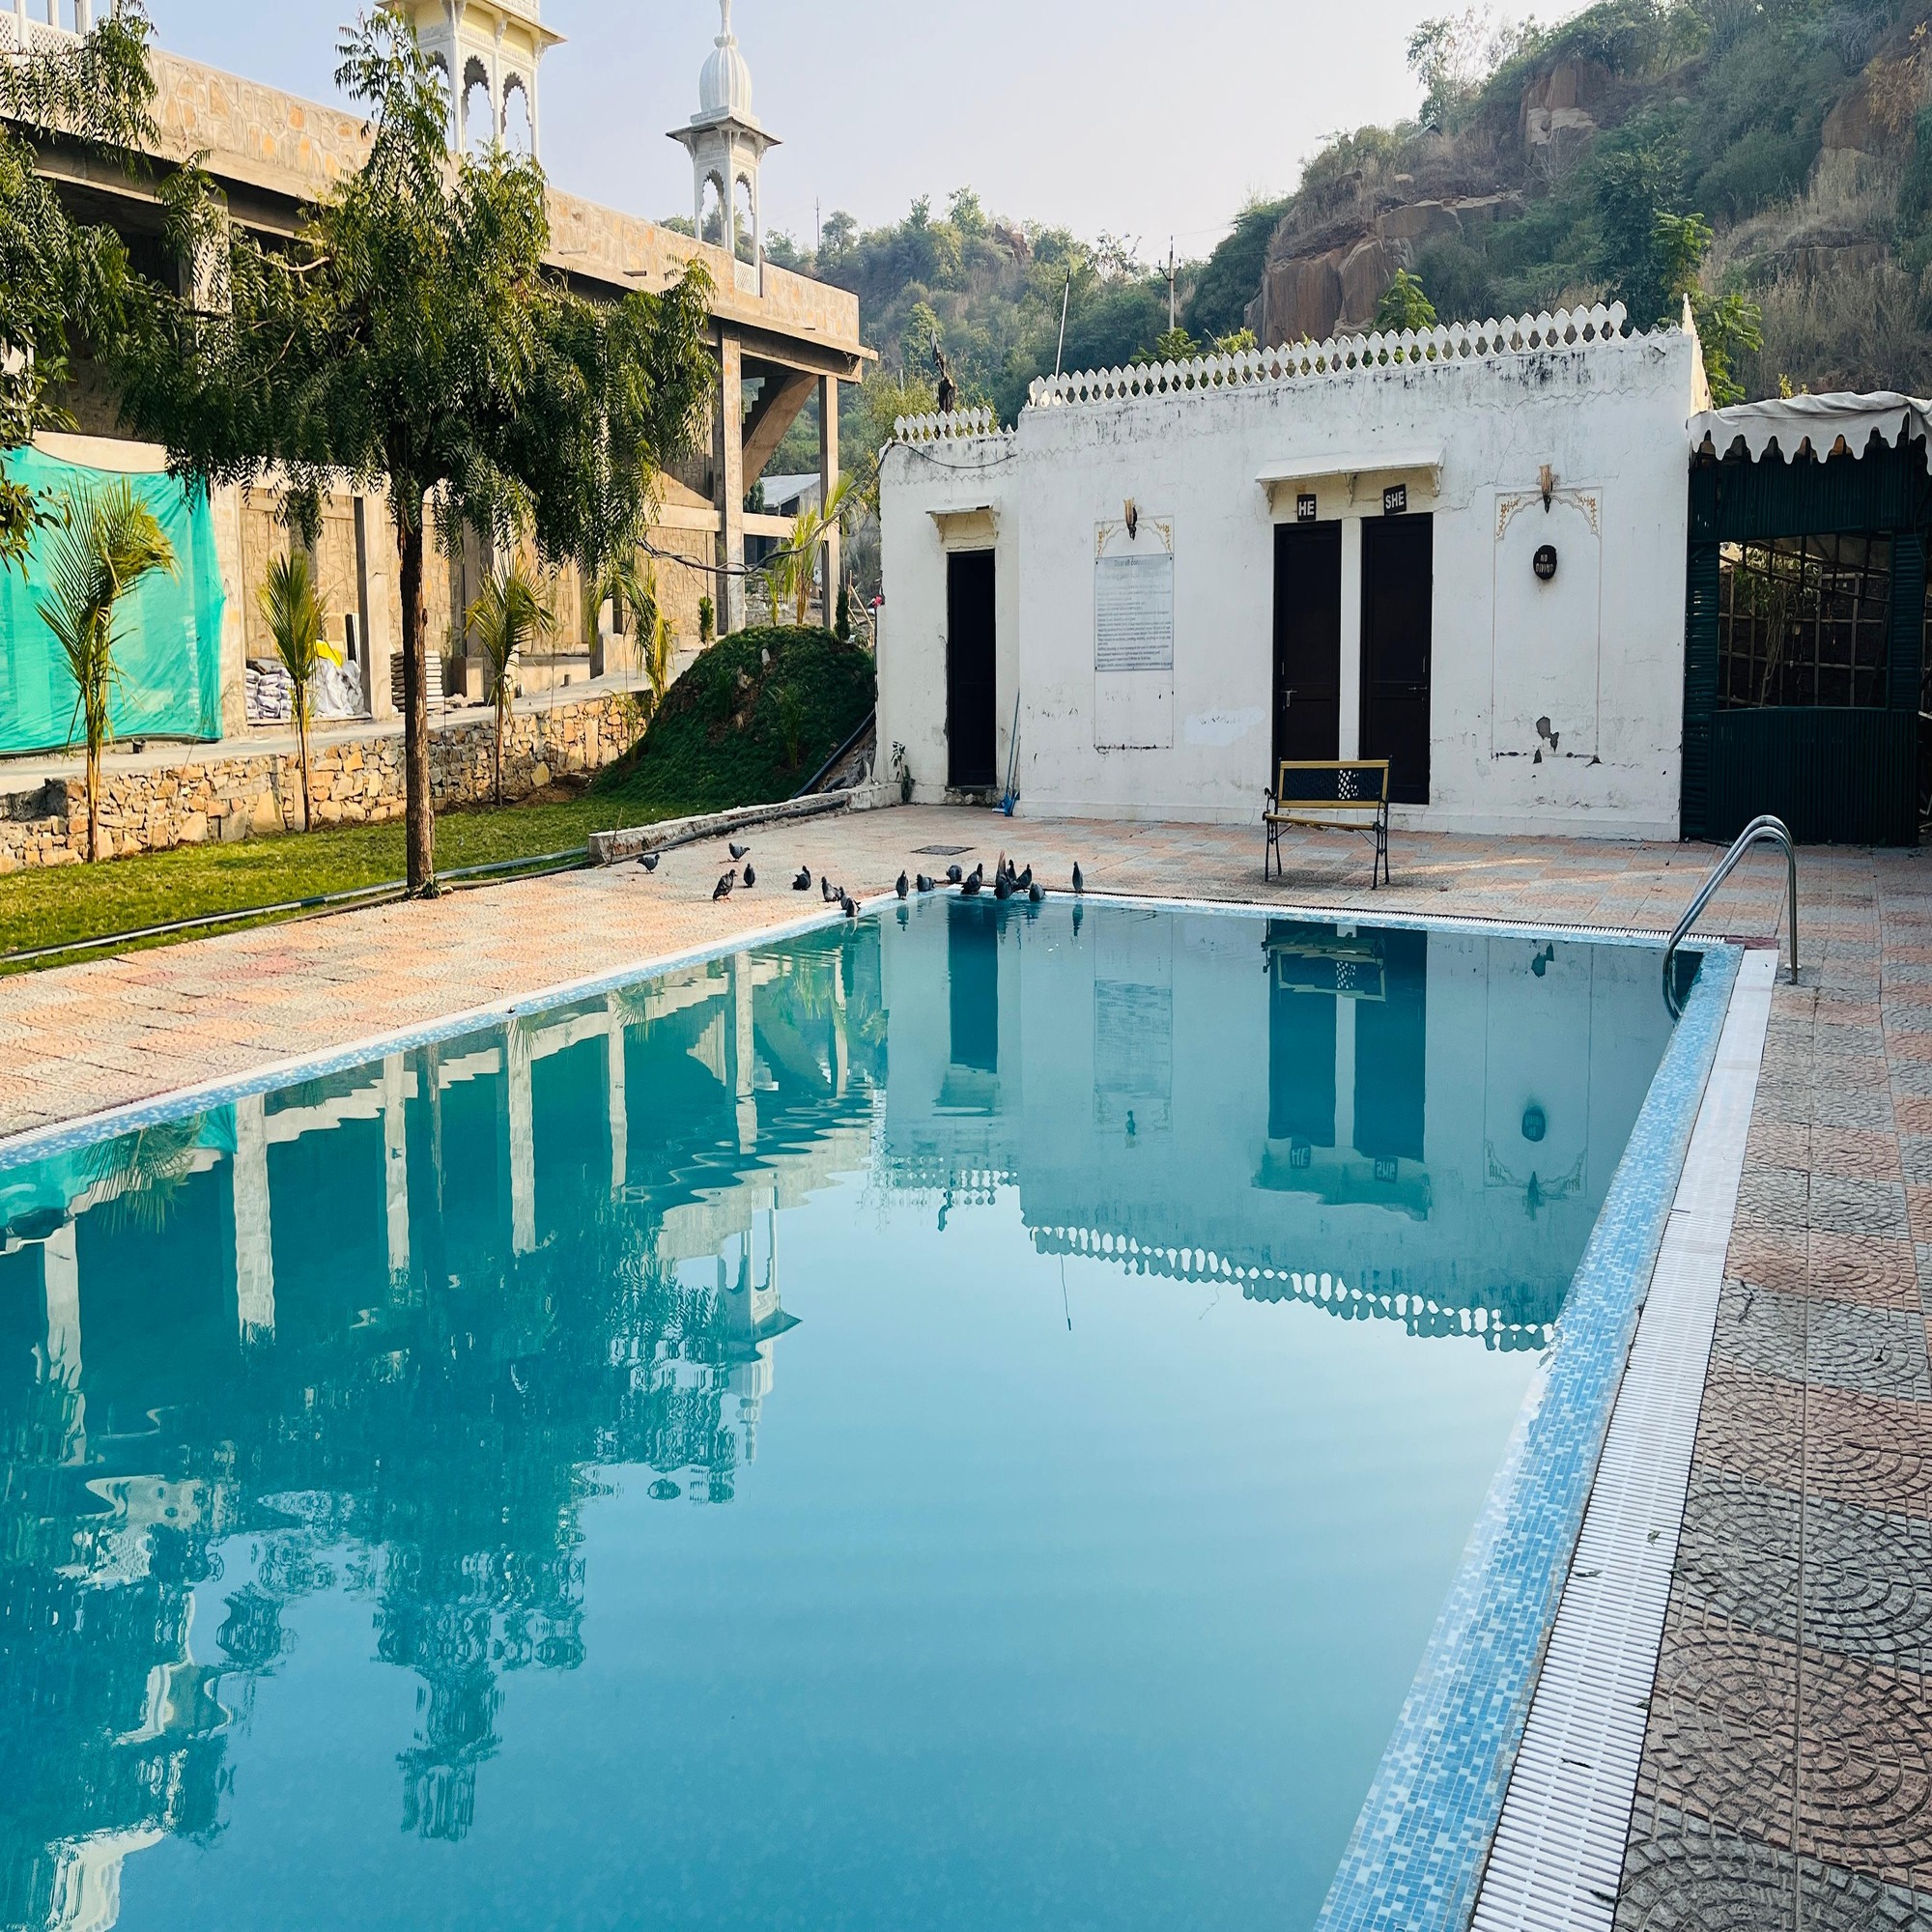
1804 620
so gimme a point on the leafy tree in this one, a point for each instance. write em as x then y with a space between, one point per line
292 611
109 541
659 646
411 336
510 614
1174 345
1636 182
1231 275
59 279
1405 304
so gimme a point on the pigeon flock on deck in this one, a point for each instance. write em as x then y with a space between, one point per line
1009 881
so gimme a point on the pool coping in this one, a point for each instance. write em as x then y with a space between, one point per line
1421 1845
1558 1857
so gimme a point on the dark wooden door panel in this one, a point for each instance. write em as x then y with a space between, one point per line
969 714
1397 599
1307 642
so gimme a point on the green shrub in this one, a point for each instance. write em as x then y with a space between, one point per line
753 716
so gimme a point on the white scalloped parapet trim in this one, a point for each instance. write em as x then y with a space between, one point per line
956 426
1458 342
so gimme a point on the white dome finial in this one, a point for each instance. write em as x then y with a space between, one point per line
725 87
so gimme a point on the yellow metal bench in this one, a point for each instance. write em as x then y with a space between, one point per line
1331 794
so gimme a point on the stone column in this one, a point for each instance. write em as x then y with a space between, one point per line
254 1225
841 1055
60 1275
523 1143
1351 721
621 1118
742 1050
828 481
396 1164
727 459
1345 1074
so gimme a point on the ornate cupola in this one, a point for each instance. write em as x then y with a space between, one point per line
489 51
726 146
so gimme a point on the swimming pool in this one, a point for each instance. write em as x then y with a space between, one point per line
964 1420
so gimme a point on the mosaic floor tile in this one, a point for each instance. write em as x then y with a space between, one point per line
1683 1874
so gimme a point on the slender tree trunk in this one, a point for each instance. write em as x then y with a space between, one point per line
92 796
421 809
501 705
301 741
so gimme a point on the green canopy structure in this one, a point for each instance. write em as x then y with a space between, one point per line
169 630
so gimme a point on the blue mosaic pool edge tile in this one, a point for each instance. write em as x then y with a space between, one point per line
1415 1858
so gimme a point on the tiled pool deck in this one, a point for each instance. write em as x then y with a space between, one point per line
1787 1773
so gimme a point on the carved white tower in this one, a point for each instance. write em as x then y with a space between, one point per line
491 51
726 146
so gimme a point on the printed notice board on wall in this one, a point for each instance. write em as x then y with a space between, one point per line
1133 604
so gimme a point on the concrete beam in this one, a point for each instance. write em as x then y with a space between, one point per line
786 394
828 481
727 467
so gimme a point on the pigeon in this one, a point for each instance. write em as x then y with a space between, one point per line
803 883
751 877
825 891
1035 894
850 909
649 862
1079 884
926 885
903 887
1000 866
1003 888
970 887
737 851
1025 879
722 889
954 875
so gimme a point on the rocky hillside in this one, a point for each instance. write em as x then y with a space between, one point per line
1778 152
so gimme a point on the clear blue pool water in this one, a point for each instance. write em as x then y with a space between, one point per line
964 1421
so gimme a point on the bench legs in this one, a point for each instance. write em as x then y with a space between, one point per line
1382 858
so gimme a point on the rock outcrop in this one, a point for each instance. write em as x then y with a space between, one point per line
1316 295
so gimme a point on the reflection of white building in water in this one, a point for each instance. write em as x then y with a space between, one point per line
1420 1118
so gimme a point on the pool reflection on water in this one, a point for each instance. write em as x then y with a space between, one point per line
965 1420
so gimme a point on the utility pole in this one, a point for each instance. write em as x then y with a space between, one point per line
1170 284
817 226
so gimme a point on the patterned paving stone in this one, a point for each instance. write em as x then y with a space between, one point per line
1684 1874
1722 1719
1841 1205
1865 1769
1868 1450
1761 1329
1878 1350
1861 1269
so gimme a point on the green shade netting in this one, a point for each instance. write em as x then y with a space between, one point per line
168 632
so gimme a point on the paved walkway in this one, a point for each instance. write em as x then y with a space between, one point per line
1787 1775
1787 1778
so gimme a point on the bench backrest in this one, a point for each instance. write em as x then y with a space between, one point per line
1332 782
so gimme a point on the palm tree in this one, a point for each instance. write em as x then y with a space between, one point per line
109 541
631 580
293 610
510 614
659 647
794 570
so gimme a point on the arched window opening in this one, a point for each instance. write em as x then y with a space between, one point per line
711 216
748 228
480 112
519 137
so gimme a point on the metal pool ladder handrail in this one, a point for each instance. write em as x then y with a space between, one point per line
1754 834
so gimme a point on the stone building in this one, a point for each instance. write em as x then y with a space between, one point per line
1164 580
781 341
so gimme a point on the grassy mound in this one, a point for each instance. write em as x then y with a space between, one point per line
749 723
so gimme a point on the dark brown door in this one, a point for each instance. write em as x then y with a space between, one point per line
1307 642
969 670
1398 594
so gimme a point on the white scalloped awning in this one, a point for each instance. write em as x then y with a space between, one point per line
1824 425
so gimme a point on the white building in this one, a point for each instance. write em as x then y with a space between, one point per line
1463 551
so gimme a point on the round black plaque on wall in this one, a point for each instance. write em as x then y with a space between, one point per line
1544 563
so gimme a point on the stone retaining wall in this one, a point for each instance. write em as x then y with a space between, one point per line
226 793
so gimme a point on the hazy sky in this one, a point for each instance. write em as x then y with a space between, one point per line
1138 117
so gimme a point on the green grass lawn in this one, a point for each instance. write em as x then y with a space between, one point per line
67 902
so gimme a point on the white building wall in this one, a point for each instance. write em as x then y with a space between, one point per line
1599 652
